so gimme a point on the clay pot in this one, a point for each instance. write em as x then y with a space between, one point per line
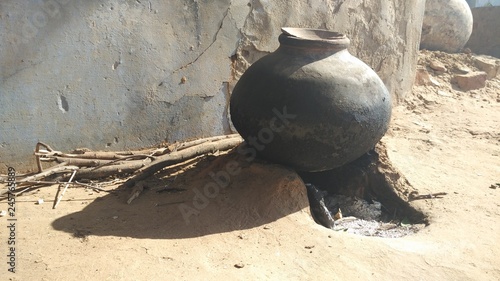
310 104
447 25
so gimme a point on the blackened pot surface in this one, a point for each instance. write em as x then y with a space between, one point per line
310 108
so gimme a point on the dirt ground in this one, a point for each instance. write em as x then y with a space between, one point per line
259 227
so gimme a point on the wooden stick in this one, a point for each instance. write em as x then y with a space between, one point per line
427 196
106 171
136 191
179 156
61 168
37 158
200 141
122 160
103 155
96 187
173 158
76 161
64 190
94 165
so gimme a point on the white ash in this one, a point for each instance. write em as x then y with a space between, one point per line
364 218
375 228
355 207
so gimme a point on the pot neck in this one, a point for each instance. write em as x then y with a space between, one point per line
303 40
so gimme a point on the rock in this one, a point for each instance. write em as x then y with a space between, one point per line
437 66
429 100
461 69
444 94
434 82
471 81
239 265
321 213
424 79
488 65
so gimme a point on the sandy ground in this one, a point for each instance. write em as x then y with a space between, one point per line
259 227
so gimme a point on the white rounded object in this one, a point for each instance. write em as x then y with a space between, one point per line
447 25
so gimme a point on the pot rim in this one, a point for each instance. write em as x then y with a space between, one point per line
313 38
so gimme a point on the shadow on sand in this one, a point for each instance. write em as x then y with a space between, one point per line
257 194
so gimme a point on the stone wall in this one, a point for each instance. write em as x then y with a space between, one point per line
125 74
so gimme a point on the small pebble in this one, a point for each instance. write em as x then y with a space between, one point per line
39 201
115 217
437 66
3 213
239 265
444 94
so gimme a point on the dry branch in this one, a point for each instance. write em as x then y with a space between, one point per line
64 190
201 141
76 161
61 168
37 157
174 158
106 171
180 156
85 164
414 196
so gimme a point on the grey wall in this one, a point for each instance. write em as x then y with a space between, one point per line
126 74
483 3
485 37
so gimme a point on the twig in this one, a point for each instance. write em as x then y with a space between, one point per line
95 187
52 170
144 156
98 165
102 155
175 169
174 158
179 156
170 203
205 140
106 171
37 158
64 190
171 190
138 188
76 161
414 197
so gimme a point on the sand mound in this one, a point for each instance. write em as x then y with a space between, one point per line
228 194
